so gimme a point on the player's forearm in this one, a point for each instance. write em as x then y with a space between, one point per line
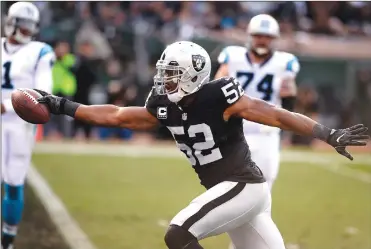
101 115
134 117
302 125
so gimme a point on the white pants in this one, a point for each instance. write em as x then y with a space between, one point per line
242 210
17 143
265 152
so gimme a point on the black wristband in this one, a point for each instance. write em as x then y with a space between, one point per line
69 107
321 132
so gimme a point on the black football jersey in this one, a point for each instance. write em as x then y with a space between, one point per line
216 148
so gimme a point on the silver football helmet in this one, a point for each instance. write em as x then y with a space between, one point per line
182 69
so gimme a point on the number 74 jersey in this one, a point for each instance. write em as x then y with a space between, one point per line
262 81
216 149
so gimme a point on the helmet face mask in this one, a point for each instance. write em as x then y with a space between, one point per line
262 44
168 77
182 70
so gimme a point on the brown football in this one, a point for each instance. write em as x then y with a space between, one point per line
26 106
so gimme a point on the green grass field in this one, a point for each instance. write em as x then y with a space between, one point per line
125 202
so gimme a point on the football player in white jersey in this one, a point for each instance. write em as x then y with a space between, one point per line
266 74
25 64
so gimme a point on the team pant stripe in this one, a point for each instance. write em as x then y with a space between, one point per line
213 204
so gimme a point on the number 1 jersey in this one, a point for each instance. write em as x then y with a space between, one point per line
25 66
262 81
216 148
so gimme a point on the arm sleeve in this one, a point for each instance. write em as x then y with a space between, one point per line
229 91
223 57
43 71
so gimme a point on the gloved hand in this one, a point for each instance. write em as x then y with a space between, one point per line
41 92
352 136
55 103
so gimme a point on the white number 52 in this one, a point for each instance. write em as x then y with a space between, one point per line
231 93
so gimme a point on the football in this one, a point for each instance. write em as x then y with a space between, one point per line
26 106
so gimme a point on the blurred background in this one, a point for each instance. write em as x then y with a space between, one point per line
106 53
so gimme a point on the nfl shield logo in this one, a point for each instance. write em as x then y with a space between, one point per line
184 116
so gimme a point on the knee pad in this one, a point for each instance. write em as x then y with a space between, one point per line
13 203
177 237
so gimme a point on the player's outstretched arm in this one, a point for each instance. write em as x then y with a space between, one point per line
136 118
132 117
262 112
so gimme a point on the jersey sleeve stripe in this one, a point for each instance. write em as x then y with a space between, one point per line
291 65
44 51
223 56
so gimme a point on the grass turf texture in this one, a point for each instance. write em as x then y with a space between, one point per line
36 229
124 202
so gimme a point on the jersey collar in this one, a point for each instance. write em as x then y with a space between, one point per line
10 48
261 64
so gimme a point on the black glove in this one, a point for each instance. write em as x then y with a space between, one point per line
58 105
41 92
55 103
353 136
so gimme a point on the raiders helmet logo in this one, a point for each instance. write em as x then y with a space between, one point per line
198 62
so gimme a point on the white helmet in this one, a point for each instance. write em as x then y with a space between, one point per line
262 25
184 65
22 22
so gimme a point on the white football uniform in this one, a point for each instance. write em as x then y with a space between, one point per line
262 81
23 66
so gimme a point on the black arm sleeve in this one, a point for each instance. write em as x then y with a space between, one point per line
288 103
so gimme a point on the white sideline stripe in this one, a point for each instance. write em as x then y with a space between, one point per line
323 161
67 226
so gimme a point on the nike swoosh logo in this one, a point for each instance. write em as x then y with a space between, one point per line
338 139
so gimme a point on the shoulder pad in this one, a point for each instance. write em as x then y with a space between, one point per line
150 95
223 80
155 100
227 52
223 56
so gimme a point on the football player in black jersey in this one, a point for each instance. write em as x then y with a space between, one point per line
205 119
